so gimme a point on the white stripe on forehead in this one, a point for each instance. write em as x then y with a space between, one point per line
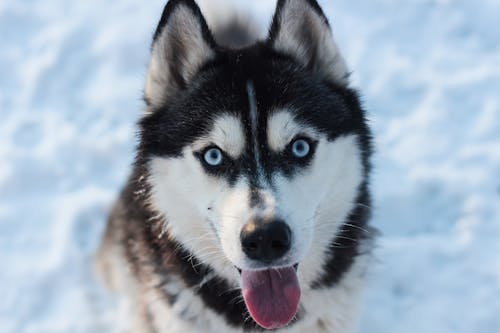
227 133
254 120
282 128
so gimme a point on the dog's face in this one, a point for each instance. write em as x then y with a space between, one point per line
254 156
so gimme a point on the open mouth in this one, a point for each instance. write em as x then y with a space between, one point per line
271 296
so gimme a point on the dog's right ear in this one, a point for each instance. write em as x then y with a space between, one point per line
301 30
182 43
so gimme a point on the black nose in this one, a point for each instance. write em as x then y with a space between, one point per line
266 241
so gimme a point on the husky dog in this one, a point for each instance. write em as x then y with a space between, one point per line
248 205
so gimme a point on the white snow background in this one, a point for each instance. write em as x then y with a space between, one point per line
71 78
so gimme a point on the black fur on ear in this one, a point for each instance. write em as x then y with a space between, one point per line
301 30
169 8
182 44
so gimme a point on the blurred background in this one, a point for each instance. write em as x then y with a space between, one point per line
71 79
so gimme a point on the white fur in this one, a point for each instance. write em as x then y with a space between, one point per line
313 204
282 128
227 134
182 191
235 212
318 201
207 215
333 310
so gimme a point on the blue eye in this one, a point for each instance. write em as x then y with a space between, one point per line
213 156
300 148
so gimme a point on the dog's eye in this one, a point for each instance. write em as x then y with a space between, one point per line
300 148
213 156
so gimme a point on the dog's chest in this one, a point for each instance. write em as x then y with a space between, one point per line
329 310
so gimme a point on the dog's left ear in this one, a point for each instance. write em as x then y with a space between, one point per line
300 29
181 45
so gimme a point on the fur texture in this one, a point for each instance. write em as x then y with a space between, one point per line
173 243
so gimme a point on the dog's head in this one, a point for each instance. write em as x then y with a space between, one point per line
256 156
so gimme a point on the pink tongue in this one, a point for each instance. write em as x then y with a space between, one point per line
272 296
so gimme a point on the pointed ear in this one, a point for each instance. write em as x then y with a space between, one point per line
301 30
182 43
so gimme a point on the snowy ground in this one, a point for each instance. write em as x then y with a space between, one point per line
70 88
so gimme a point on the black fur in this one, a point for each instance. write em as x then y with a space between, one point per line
220 86
347 245
276 22
191 4
330 108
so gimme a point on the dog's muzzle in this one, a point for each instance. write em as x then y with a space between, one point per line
271 295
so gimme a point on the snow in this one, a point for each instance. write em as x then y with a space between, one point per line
72 74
